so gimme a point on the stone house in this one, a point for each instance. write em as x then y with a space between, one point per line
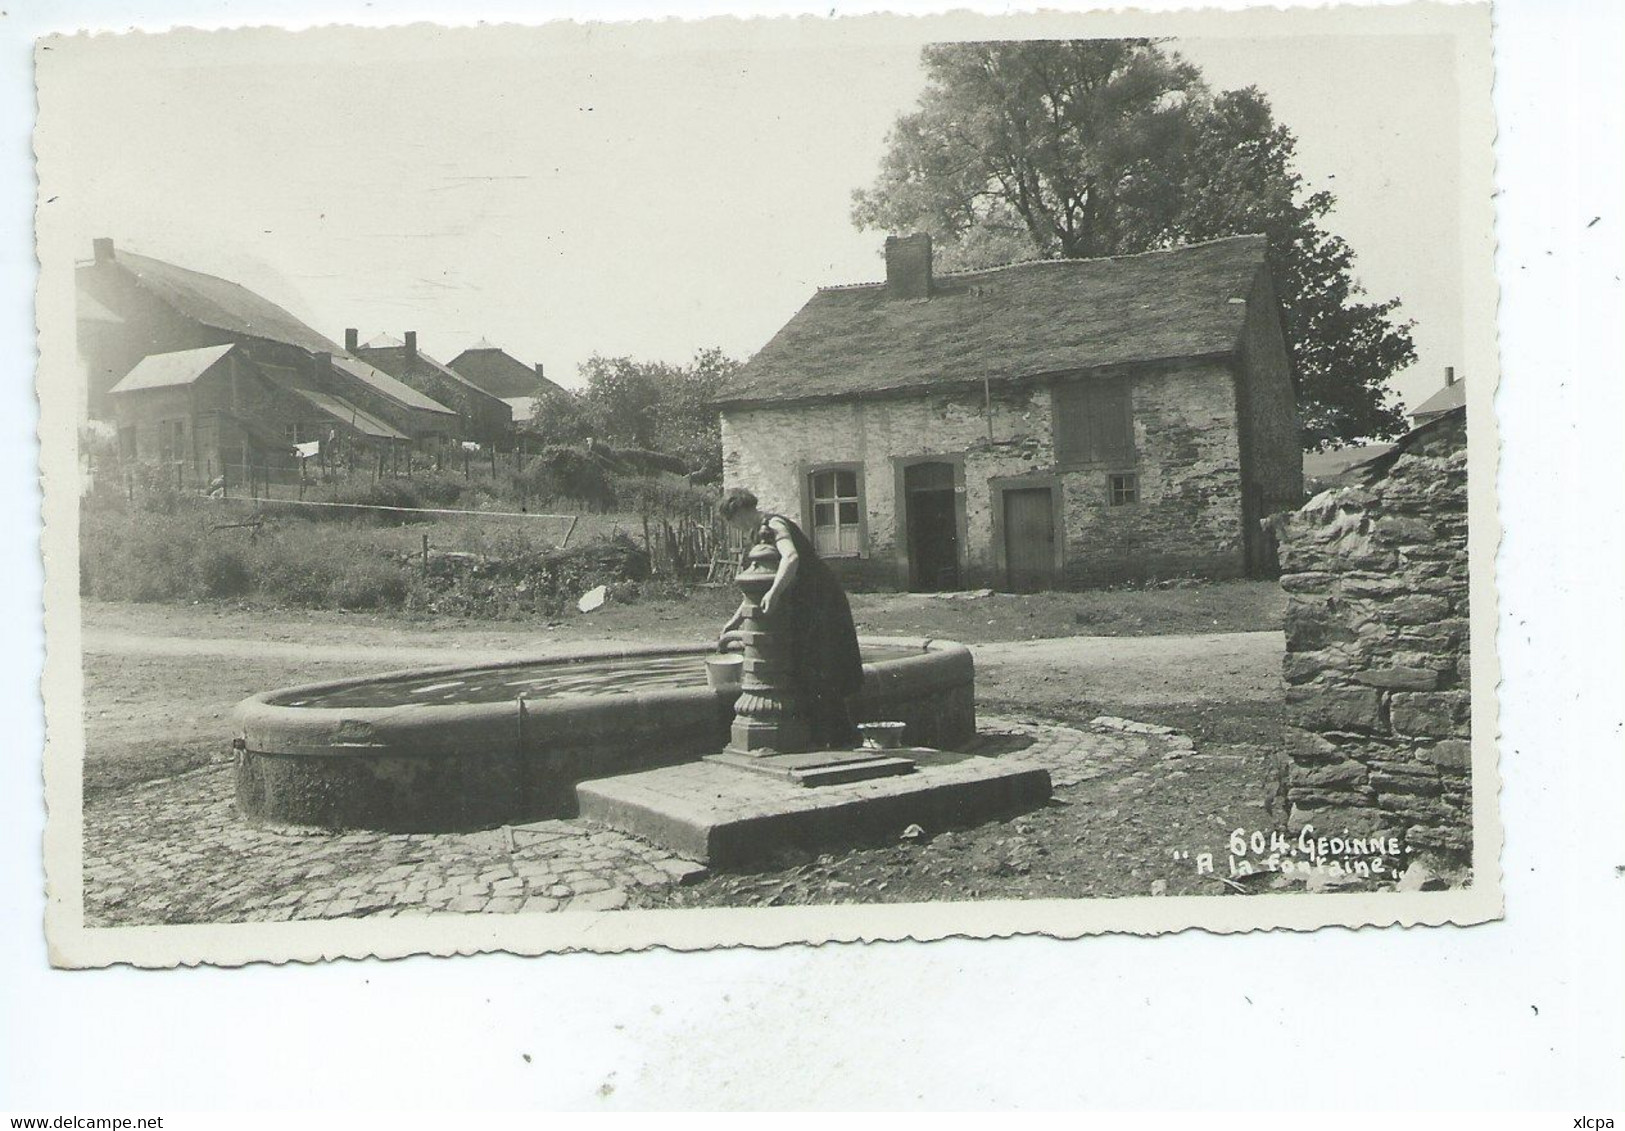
485 418
1039 425
132 306
1377 649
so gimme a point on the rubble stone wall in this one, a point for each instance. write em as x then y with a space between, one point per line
1377 650
1187 519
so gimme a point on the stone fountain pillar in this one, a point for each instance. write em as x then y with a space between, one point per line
768 715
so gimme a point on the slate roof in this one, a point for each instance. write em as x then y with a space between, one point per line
499 372
167 370
92 311
1011 322
1447 398
221 304
384 383
389 354
235 309
357 418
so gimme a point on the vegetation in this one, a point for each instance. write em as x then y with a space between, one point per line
193 553
1077 149
656 408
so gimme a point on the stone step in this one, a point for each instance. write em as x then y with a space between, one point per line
821 767
712 812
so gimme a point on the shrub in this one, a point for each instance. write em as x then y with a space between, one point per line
223 569
359 494
658 498
133 555
369 583
569 473
299 564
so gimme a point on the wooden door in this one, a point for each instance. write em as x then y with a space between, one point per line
1029 539
933 527
933 537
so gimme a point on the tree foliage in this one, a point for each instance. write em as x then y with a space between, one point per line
648 405
1077 149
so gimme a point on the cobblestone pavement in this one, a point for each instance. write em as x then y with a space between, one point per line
174 851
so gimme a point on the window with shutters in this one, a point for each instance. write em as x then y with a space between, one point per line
1094 422
836 502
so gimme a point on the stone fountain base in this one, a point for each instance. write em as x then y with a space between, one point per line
821 767
712 812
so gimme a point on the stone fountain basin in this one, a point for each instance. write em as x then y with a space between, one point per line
455 748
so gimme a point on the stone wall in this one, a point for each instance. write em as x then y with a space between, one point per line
1377 650
1187 456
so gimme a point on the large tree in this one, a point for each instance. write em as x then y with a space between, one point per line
1075 149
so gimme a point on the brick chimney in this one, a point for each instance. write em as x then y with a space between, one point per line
352 339
102 249
411 347
539 374
908 266
1449 376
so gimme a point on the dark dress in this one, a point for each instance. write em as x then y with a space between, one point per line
827 667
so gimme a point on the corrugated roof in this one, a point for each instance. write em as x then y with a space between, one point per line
341 409
166 370
1010 322
389 386
500 373
1447 398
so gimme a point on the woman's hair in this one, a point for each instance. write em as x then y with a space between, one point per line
735 502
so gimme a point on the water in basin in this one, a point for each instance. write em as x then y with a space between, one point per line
611 676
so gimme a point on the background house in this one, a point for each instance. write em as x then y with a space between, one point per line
132 306
1447 399
524 388
485 418
212 411
500 373
1048 423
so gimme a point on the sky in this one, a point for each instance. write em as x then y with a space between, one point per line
635 189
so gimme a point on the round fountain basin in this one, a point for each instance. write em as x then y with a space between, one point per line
451 748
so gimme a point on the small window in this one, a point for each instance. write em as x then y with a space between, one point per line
1123 489
836 512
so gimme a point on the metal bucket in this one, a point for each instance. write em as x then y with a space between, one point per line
723 671
882 735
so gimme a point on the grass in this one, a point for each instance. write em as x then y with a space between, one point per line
514 568
1221 606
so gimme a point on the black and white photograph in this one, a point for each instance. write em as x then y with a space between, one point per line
535 488
726 556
